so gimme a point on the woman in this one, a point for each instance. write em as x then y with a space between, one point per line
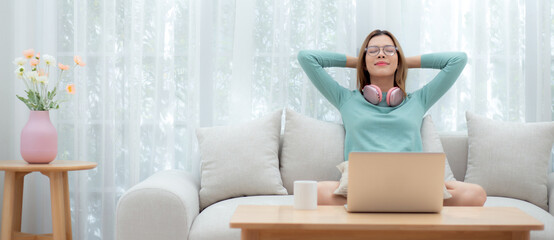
375 123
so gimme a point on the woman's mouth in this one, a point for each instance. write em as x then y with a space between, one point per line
381 63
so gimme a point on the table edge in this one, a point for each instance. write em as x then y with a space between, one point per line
59 165
396 227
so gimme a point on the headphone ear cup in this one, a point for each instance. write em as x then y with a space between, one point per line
372 94
395 96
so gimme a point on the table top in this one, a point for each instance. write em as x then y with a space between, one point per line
336 218
56 165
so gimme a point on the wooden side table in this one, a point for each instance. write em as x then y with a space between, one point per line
56 171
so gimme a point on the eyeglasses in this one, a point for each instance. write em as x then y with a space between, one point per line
388 50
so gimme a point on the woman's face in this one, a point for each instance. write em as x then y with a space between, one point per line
382 64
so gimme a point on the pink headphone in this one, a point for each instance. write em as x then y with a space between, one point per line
373 94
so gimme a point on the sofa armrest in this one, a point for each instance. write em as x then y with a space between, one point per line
551 193
161 207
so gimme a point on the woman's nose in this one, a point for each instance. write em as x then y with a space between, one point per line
381 53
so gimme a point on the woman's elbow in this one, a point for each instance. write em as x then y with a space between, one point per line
462 56
302 55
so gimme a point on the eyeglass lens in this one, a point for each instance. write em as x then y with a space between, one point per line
374 50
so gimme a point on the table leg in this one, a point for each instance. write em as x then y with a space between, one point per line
7 205
248 234
521 235
18 200
67 207
58 206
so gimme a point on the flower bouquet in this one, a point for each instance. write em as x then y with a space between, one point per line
39 139
37 80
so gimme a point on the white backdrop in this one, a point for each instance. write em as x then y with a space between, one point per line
157 70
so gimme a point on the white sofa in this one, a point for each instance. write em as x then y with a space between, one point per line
167 205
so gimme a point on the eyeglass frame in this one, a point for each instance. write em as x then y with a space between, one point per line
381 49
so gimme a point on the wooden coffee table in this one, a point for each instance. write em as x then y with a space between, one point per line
333 222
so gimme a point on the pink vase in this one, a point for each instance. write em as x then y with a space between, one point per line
39 139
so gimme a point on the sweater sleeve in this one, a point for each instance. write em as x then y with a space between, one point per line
451 65
313 63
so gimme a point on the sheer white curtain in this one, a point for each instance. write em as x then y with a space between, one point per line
157 70
508 46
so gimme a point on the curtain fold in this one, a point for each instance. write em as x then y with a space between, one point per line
156 71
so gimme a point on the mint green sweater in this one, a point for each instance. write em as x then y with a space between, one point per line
379 128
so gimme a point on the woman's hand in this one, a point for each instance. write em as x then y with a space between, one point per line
413 62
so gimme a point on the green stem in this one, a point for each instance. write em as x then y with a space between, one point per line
25 80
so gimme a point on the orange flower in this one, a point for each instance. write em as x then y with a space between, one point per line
37 56
33 62
63 67
70 88
29 53
41 73
79 61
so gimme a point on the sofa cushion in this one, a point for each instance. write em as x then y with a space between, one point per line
455 147
509 159
533 210
213 222
432 143
310 144
240 160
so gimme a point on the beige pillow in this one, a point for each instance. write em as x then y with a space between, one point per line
311 149
509 159
431 143
240 160
343 183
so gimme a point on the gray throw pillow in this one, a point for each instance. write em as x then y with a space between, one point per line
311 149
432 143
240 160
509 159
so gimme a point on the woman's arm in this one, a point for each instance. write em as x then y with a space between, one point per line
451 65
351 62
413 62
313 62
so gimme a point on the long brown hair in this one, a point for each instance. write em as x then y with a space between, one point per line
401 70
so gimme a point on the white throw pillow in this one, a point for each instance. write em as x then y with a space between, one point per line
431 143
509 159
343 183
240 160
311 149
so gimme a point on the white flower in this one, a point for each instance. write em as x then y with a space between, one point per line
19 72
49 60
42 79
19 61
33 75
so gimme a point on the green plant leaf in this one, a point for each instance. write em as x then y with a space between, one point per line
26 101
54 105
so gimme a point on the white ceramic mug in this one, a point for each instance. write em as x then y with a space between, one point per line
305 195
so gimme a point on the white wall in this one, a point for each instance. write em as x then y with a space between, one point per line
7 81
12 120
7 85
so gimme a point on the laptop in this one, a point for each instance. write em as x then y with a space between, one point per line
395 182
